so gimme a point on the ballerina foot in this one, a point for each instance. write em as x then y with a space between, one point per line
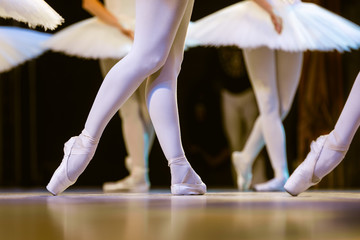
78 152
304 175
184 180
243 171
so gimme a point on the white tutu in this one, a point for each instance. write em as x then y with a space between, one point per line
306 26
33 12
92 38
18 45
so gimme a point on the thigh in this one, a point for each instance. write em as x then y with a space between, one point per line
171 68
289 66
157 23
261 67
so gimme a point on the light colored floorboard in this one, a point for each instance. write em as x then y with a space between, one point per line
220 214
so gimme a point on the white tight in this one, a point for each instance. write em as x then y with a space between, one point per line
136 124
338 141
349 119
274 76
157 53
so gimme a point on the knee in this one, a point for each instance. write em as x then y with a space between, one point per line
284 112
155 62
150 61
268 105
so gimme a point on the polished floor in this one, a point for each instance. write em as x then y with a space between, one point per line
220 214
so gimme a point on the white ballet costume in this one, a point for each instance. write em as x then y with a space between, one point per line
329 150
33 12
92 38
160 32
274 64
18 45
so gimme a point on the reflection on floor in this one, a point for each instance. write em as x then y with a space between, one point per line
220 215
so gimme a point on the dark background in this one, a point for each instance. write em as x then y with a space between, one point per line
45 101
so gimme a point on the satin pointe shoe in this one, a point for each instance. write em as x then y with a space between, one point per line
76 146
273 185
128 184
184 180
135 183
243 171
303 177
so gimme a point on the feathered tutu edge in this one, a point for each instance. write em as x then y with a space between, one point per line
33 12
306 26
90 38
18 45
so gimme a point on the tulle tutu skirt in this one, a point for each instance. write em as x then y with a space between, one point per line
91 38
306 26
33 12
18 45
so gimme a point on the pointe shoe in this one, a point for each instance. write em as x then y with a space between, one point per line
303 177
135 183
128 184
191 183
60 180
243 171
273 185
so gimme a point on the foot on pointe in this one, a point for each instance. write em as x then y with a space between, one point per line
304 175
78 152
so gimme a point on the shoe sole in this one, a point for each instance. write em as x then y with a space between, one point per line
188 189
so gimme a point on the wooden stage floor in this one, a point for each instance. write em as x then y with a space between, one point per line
220 214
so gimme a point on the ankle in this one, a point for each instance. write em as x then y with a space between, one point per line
87 139
139 174
178 161
333 142
284 175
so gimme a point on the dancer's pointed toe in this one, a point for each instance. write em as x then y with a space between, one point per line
243 171
60 180
303 177
80 150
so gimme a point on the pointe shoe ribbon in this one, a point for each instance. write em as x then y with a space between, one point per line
191 183
303 177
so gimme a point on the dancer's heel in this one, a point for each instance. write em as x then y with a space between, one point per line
189 182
